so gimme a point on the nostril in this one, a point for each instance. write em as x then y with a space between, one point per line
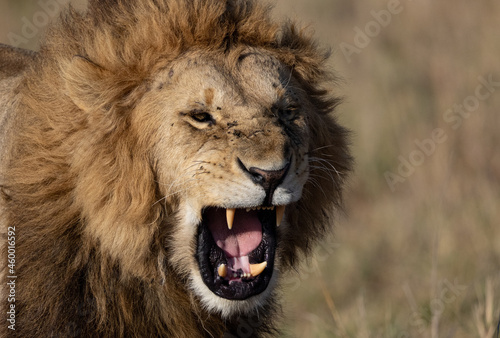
268 179
257 175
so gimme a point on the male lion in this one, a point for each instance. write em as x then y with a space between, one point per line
163 163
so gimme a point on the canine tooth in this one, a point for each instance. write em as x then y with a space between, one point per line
222 270
280 212
256 269
230 217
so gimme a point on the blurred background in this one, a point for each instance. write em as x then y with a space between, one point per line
417 253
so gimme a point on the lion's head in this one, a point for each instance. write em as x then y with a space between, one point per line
241 136
199 140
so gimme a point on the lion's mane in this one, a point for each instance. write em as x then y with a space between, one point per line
69 174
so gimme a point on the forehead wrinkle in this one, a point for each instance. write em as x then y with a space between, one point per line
218 84
260 89
232 84
259 69
254 72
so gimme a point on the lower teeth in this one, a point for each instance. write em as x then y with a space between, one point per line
255 270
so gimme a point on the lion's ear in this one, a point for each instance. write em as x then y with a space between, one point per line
87 83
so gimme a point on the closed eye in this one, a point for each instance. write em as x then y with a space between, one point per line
288 113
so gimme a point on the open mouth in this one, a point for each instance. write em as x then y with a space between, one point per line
236 249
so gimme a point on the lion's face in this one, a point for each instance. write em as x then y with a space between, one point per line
232 150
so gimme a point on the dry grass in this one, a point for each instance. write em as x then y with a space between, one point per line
422 260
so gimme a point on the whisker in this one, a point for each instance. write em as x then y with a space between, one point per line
321 177
319 148
316 184
323 163
289 79
175 192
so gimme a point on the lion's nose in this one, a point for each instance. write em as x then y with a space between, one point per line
268 179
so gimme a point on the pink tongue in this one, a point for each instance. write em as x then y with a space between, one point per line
244 237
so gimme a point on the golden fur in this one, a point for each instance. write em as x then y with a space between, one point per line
104 172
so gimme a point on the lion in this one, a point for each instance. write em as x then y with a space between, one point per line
164 164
